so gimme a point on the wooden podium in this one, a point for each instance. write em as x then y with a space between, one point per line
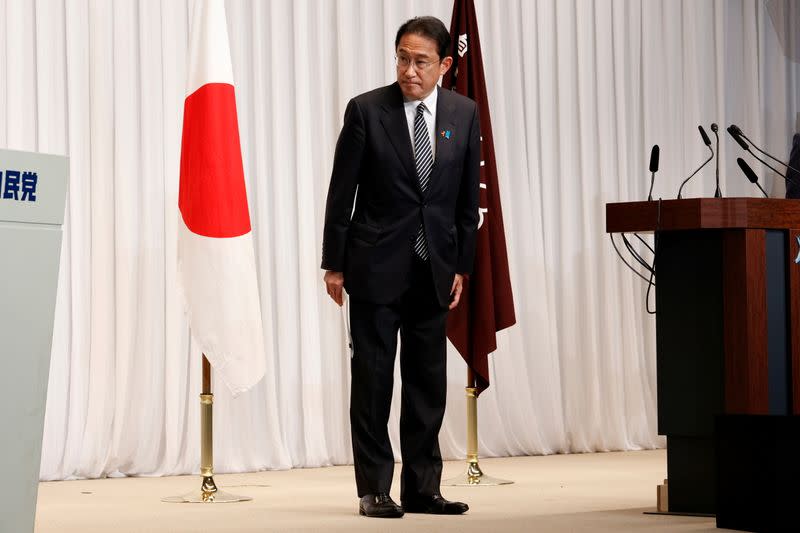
727 322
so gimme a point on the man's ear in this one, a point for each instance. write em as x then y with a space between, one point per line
445 65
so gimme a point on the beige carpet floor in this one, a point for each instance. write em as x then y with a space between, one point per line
600 492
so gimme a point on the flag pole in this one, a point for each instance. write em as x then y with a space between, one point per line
208 489
473 475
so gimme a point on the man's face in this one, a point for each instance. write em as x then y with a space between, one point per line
419 66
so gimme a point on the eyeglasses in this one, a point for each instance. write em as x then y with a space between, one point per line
420 66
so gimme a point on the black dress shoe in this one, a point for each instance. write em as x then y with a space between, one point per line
379 505
434 505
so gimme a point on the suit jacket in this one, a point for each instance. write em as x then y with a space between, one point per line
374 164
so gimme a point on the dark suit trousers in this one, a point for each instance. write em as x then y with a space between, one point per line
421 321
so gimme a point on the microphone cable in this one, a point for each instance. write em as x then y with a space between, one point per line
651 282
614 244
635 254
650 268
645 243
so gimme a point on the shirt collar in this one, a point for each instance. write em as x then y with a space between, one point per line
429 101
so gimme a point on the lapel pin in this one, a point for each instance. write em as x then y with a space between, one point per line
446 134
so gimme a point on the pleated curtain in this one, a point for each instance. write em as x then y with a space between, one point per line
579 91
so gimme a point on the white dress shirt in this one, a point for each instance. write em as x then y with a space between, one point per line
429 114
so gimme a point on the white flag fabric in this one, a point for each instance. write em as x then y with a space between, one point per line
216 261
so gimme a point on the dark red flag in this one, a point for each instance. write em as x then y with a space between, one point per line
487 305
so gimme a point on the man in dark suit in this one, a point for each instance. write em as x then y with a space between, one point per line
408 155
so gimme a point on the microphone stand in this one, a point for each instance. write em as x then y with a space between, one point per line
695 172
741 133
751 176
775 170
654 155
715 129
739 137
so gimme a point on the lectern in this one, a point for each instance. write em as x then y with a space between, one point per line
32 197
727 322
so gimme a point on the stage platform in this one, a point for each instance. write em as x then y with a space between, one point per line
601 492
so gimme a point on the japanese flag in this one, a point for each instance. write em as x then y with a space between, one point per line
216 262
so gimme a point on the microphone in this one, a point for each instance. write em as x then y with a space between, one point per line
741 134
654 153
737 134
715 129
748 172
707 142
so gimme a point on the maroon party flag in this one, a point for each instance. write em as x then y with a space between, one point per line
487 305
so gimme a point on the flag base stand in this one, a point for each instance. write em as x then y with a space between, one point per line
474 475
208 492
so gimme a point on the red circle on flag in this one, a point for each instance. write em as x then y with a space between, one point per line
212 198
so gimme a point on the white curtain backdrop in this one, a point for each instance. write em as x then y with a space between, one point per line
579 92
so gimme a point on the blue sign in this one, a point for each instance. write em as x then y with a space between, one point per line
18 186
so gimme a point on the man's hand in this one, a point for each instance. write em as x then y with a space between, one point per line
334 282
455 292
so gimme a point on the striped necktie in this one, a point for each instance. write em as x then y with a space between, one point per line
423 157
